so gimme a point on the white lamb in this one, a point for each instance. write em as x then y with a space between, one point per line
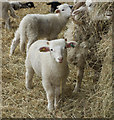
48 59
6 7
39 26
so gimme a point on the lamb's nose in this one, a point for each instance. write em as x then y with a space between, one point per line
60 59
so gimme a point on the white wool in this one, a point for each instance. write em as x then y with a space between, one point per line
52 66
39 26
69 32
45 65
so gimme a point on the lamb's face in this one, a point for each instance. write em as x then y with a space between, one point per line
65 10
58 49
76 55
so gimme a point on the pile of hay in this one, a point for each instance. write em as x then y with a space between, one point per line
99 104
20 103
99 36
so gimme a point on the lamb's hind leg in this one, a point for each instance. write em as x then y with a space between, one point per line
7 23
22 42
15 42
29 76
30 41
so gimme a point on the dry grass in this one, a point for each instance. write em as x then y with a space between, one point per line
20 103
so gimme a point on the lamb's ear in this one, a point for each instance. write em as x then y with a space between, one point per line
57 11
84 45
71 44
75 12
44 49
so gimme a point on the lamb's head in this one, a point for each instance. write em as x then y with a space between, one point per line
79 52
58 49
64 10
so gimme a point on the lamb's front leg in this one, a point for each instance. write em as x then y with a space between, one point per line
80 76
15 42
59 90
57 96
50 94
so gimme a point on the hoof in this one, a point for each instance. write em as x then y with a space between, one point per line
29 87
76 90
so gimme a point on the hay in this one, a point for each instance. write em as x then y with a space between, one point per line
20 103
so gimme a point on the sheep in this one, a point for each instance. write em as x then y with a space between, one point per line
54 5
5 15
48 59
84 54
19 5
38 26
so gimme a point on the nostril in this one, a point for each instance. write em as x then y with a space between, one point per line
60 58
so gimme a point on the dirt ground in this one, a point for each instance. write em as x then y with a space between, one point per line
18 102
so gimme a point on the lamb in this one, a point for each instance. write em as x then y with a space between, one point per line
19 5
38 26
5 15
48 59
88 34
84 54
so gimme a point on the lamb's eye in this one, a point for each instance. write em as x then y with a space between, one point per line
51 49
62 9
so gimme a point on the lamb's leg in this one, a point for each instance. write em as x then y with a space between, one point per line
50 94
29 76
80 76
7 23
29 44
57 97
30 41
22 42
59 90
15 42
81 64
12 13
